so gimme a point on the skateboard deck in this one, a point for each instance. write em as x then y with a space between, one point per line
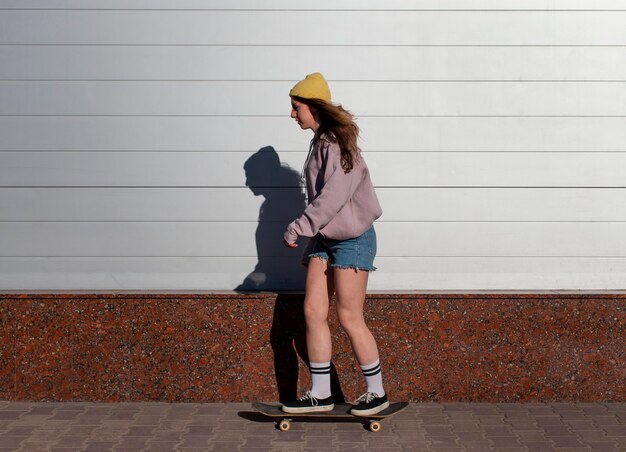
341 412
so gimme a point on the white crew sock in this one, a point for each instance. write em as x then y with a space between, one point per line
373 377
320 379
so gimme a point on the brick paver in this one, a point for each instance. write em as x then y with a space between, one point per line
430 427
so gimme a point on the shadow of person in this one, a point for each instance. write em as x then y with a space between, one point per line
280 268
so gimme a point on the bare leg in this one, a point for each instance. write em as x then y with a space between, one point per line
350 286
318 291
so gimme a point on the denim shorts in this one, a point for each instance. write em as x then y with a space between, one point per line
357 253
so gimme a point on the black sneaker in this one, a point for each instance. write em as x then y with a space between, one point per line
309 404
368 404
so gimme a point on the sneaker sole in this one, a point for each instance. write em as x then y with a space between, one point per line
308 409
371 411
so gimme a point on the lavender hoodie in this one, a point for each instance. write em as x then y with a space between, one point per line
341 206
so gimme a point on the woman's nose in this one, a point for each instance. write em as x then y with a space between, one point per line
293 114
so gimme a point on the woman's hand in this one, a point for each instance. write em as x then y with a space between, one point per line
290 245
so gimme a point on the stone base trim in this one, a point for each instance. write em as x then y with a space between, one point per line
229 347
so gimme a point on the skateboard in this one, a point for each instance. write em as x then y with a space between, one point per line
341 412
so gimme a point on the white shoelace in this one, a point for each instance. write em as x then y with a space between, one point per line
367 398
308 396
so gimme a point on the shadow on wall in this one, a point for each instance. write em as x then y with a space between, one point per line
278 268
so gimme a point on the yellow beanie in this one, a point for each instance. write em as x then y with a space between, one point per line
314 86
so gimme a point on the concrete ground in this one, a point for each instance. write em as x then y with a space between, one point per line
81 426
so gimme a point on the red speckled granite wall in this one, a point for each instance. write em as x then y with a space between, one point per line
242 347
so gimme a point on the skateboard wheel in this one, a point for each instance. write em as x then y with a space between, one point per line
375 426
284 425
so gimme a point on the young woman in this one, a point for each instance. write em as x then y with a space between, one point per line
339 219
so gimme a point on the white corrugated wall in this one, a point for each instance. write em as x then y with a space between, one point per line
495 132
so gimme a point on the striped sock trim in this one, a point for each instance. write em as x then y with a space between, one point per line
371 371
319 370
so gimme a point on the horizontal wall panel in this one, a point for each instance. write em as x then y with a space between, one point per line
502 204
222 273
76 133
274 27
48 239
240 204
250 134
494 134
141 204
211 169
269 98
499 169
518 5
498 274
337 63
389 169
396 274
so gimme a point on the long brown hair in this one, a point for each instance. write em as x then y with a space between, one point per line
339 121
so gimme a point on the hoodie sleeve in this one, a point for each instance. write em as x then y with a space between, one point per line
337 190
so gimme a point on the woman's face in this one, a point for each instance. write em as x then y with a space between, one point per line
303 115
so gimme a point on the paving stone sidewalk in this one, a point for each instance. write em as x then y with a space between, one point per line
69 427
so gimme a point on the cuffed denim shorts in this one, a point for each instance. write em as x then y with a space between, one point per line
357 253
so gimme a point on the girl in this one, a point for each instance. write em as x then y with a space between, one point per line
339 219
